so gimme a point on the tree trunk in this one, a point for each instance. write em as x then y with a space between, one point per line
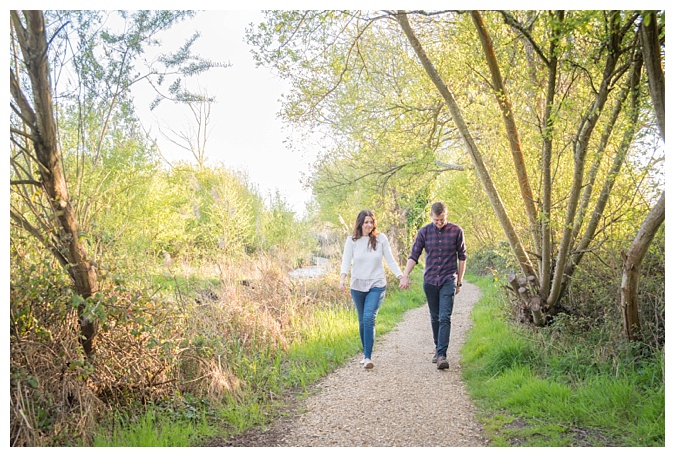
40 119
511 128
547 152
472 148
633 87
581 142
632 262
651 52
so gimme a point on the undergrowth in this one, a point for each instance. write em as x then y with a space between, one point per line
554 387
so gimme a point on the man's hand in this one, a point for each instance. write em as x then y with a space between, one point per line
404 282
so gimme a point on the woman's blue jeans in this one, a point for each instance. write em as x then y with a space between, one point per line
441 300
367 305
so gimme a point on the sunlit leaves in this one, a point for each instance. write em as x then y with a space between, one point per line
355 80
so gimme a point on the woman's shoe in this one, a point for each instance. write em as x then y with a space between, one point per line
367 363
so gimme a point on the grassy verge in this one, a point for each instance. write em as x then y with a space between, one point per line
538 389
156 428
273 378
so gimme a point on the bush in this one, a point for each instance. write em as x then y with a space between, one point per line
492 260
593 298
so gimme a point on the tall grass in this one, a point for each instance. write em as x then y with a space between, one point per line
537 389
152 428
255 349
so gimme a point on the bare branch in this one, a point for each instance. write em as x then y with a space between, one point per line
22 133
18 182
448 166
513 22
23 107
23 223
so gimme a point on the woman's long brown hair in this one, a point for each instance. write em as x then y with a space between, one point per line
360 219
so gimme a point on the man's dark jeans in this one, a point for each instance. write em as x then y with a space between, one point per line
441 300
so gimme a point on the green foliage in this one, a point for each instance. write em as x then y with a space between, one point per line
392 137
557 388
218 211
282 231
491 261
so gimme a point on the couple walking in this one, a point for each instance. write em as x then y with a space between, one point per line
445 262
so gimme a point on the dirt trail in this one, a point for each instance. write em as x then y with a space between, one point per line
404 401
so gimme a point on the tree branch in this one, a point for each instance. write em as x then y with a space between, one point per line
23 223
23 107
18 182
513 22
448 166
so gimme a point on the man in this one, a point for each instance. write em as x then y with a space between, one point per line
443 274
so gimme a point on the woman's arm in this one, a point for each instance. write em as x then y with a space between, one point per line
389 257
347 255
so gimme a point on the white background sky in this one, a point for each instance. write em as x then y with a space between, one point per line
245 131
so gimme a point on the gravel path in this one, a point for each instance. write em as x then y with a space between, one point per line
404 401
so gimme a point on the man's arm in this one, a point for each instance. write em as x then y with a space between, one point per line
461 265
404 283
415 253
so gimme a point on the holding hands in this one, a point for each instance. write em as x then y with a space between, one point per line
404 282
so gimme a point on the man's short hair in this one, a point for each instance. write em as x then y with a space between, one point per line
438 208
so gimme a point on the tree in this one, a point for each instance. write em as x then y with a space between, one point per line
473 150
42 202
40 137
568 91
566 261
384 135
195 136
632 260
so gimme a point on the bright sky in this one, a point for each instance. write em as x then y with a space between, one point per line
246 133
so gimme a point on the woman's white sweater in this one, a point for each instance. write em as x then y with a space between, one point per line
366 263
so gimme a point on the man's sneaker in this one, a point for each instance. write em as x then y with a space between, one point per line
367 363
434 359
442 363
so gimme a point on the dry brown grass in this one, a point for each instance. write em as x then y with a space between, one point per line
148 348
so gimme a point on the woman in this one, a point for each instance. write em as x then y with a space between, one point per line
364 250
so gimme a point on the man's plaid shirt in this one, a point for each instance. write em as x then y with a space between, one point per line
443 247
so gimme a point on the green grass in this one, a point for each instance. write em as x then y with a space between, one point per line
534 393
153 429
531 388
182 284
273 379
